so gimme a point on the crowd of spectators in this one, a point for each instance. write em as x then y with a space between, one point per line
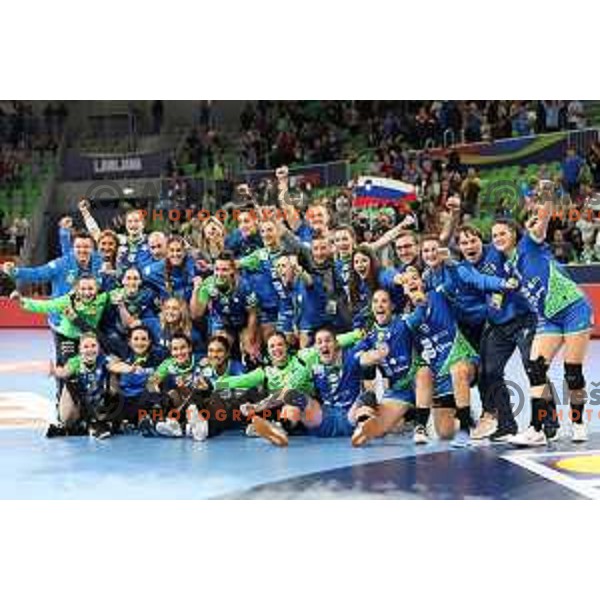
23 126
277 132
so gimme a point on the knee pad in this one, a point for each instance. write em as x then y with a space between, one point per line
537 371
365 412
367 399
574 376
445 401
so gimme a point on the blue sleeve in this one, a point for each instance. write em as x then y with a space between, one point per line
64 238
41 274
415 318
386 278
485 283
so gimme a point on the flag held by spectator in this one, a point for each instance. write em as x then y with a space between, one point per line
380 191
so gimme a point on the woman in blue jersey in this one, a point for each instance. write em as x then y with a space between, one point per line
564 319
463 285
259 269
366 277
446 351
245 238
84 405
230 305
191 405
389 346
132 306
174 275
133 399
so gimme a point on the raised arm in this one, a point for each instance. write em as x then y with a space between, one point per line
65 226
245 381
538 224
90 223
41 274
451 224
392 234
200 298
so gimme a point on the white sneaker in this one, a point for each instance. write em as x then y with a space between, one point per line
169 428
420 435
196 427
529 437
487 426
461 439
251 431
580 432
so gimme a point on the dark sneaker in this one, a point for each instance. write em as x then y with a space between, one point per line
75 429
100 431
55 430
503 433
146 427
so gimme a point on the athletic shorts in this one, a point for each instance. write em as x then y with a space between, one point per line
401 396
335 423
576 318
267 315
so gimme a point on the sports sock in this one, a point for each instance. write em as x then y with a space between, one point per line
422 416
539 412
463 415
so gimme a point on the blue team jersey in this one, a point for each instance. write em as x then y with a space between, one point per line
91 380
338 384
397 336
287 307
62 273
229 310
161 338
134 384
343 268
316 305
502 306
435 331
465 289
208 372
362 309
140 306
134 254
305 233
242 245
167 282
546 285
264 278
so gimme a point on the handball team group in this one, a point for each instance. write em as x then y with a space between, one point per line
292 325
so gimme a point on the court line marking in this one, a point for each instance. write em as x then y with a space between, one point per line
24 410
580 486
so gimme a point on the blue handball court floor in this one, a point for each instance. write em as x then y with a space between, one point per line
233 466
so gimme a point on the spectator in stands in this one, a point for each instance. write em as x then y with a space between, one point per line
473 124
552 113
593 161
19 230
563 250
571 168
469 192
158 110
575 115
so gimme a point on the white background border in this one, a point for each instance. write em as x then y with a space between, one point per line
310 49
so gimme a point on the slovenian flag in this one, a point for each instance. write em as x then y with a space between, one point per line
380 191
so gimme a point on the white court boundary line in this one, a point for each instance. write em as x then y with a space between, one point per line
589 488
27 406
